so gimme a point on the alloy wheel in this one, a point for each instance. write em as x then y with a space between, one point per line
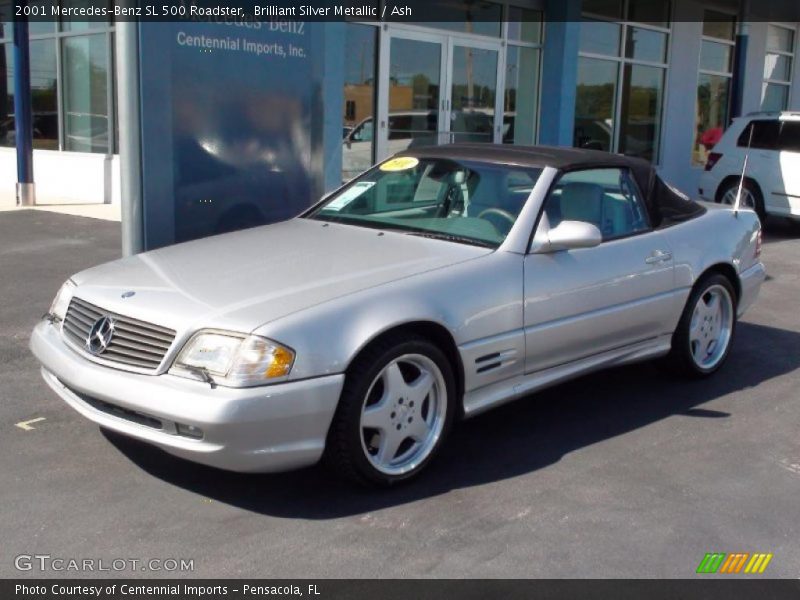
403 414
711 327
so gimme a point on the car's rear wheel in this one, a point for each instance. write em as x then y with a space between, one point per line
751 196
395 411
702 340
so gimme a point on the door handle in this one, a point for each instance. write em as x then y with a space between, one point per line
658 256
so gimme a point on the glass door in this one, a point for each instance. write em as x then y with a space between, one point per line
411 105
474 79
437 89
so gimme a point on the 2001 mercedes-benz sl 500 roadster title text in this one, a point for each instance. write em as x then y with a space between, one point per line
438 284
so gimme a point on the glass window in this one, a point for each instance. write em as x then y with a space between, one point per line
789 139
458 201
642 96
713 92
764 135
606 198
774 97
594 103
651 12
359 98
613 115
716 57
780 39
414 92
719 25
600 37
524 25
645 44
473 92
777 66
85 67
44 94
521 95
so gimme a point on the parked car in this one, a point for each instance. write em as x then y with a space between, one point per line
772 179
439 284
406 129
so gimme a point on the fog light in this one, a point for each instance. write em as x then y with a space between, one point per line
189 431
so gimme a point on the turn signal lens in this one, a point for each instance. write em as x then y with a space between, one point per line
282 360
758 244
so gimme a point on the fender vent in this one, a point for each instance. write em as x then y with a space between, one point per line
495 360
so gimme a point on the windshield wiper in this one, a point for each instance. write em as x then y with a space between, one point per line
450 237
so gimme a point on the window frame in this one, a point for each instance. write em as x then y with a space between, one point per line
790 54
58 35
622 61
538 46
568 170
727 75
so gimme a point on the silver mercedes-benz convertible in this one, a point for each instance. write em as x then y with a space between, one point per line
440 283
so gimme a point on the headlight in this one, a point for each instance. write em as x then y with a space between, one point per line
58 308
235 360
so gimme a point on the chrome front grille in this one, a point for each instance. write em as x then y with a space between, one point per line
135 343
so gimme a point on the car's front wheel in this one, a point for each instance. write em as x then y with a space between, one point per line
702 340
395 411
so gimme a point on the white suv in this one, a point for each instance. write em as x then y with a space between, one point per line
772 179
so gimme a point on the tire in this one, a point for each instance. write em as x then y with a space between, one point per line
702 340
751 196
385 430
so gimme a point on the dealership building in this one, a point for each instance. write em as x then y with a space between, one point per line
202 125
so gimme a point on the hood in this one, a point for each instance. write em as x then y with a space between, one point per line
241 280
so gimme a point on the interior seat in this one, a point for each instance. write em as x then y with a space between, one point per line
581 201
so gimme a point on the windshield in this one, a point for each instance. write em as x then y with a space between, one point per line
467 202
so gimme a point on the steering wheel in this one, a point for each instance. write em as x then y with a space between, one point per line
498 211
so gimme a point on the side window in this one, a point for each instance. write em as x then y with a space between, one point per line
765 135
789 140
607 198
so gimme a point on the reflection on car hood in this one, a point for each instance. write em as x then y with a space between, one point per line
242 280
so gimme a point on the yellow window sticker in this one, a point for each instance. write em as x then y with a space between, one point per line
401 163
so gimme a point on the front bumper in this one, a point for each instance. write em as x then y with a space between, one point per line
261 429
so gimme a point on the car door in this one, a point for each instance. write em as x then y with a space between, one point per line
586 301
786 196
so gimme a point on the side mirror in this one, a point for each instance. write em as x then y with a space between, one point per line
572 234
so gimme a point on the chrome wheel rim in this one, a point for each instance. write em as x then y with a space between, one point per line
403 414
711 327
748 200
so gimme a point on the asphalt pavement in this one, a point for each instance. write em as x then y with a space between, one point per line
626 473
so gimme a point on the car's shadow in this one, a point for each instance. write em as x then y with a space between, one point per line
512 440
778 229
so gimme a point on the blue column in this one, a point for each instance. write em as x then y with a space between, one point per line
559 71
23 115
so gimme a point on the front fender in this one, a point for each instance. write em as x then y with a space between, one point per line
474 300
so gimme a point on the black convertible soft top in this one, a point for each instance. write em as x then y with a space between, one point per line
665 204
